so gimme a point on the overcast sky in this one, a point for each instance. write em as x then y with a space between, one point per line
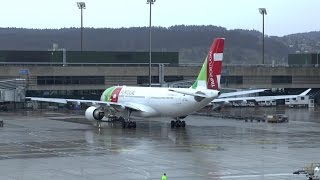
284 16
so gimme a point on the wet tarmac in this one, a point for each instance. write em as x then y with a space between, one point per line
53 145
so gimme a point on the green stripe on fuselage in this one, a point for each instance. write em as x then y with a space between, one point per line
107 93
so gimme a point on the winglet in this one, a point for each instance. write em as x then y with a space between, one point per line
305 92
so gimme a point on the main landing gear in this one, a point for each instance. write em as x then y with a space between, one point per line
177 123
129 124
125 122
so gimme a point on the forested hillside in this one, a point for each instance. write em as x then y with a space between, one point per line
192 42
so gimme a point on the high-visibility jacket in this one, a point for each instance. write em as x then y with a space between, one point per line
164 177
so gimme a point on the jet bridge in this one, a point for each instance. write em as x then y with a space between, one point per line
12 90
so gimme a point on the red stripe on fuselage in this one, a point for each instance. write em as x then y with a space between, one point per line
115 94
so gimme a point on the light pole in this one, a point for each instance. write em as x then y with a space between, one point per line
81 6
263 11
317 65
150 2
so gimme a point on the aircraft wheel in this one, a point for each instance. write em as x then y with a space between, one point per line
134 125
183 124
124 124
131 124
121 119
172 124
178 123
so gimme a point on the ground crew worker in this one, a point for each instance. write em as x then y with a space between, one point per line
164 177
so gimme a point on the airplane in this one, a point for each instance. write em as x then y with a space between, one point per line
124 102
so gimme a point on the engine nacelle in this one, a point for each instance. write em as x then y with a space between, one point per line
92 113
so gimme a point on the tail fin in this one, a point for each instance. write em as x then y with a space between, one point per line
210 73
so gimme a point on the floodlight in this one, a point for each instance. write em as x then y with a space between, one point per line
262 10
81 5
151 1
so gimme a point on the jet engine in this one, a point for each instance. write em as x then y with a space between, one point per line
92 113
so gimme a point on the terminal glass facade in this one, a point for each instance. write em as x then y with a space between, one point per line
155 79
281 79
70 80
231 80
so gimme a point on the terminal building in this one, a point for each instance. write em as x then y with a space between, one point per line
87 74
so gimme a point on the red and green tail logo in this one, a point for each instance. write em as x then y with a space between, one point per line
210 73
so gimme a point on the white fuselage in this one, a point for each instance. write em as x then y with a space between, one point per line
159 102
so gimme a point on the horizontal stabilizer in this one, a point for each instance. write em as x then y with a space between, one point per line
196 94
305 92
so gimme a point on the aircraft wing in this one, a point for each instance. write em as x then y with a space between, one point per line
260 98
65 101
133 106
238 93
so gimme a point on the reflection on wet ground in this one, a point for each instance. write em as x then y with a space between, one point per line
53 145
